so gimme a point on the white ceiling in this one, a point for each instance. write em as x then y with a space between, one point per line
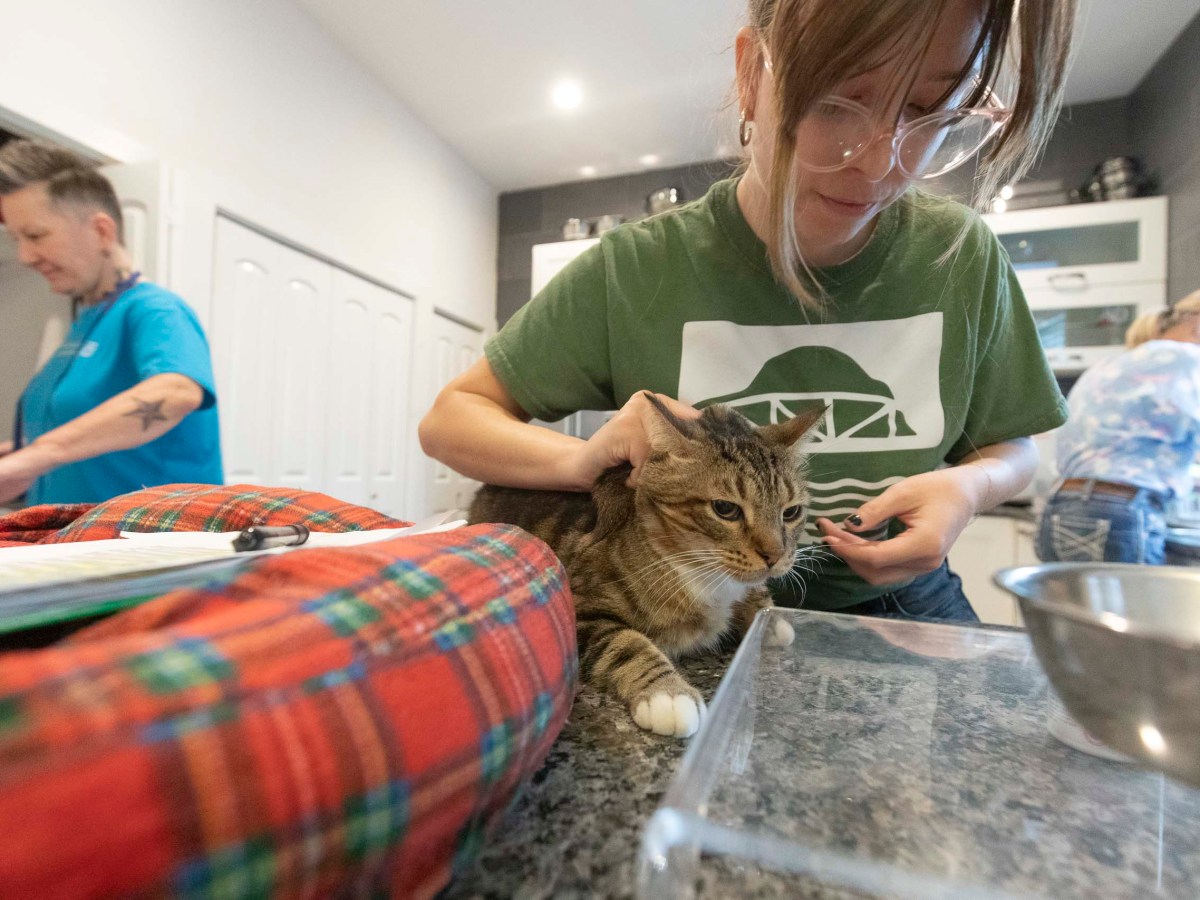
656 74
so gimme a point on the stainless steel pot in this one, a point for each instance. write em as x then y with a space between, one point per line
663 199
576 229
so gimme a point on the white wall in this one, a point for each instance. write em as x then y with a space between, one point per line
255 110
259 108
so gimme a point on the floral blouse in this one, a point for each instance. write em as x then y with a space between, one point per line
1135 418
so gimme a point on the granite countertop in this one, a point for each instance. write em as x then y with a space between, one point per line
575 830
920 746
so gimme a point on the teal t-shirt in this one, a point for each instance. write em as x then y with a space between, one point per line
112 347
919 362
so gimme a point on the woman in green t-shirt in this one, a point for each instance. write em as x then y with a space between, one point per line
817 274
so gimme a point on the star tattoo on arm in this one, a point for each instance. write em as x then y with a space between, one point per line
148 412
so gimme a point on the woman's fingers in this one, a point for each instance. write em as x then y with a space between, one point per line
641 410
626 436
905 556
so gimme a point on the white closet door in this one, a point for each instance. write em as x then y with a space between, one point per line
299 376
143 190
271 347
348 448
246 312
369 389
391 376
456 349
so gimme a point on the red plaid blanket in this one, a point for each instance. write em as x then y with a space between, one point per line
329 722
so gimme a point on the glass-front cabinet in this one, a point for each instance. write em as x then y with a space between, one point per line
1088 270
1071 247
1078 331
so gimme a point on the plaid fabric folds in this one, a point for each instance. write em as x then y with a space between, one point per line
329 722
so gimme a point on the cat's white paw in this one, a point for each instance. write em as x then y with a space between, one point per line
780 632
672 714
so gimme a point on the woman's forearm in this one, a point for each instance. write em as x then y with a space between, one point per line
134 417
1003 470
477 437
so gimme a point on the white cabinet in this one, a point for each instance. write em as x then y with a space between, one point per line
987 545
548 259
313 369
1065 248
1088 270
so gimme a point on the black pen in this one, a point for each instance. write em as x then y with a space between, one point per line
265 537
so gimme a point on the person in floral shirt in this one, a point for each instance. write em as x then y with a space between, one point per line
1128 445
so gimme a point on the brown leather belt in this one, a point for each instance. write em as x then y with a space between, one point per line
1112 488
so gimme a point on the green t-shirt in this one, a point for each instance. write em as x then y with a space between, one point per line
919 362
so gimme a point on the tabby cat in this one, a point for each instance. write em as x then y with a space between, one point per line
671 566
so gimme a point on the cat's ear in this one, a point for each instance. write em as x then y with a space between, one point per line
790 432
665 429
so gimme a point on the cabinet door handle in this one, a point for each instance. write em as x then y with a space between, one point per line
1068 281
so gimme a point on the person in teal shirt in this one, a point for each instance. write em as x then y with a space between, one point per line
128 400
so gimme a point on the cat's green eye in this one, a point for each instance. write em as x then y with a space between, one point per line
727 510
792 513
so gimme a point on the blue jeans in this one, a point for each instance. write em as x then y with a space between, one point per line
1082 526
935 597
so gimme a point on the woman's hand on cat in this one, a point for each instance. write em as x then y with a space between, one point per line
935 507
623 438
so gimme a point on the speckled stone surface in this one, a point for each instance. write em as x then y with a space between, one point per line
913 749
575 830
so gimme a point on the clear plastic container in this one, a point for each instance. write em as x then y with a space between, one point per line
876 758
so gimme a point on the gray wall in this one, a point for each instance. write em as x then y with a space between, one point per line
1159 121
1164 115
536 217
1084 136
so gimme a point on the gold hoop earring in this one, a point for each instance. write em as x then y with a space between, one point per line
745 129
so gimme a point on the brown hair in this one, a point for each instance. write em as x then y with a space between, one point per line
817 44
70 179
1153 325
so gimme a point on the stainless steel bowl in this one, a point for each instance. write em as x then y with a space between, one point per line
1121 645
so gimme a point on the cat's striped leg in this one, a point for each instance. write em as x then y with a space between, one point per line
779 630
617 658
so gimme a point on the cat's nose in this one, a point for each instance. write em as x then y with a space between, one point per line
770 556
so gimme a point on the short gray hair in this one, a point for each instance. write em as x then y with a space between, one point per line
69 178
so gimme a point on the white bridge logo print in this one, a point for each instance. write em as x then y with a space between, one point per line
879 380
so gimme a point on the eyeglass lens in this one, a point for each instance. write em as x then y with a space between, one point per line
833 135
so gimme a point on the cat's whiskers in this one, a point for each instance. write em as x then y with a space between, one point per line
629 578
689 582
801 585
672 564
809 560
665 585
702 587
682 575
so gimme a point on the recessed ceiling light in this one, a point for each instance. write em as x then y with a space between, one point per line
588 171
999 205
1006 192
650 159
567 94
